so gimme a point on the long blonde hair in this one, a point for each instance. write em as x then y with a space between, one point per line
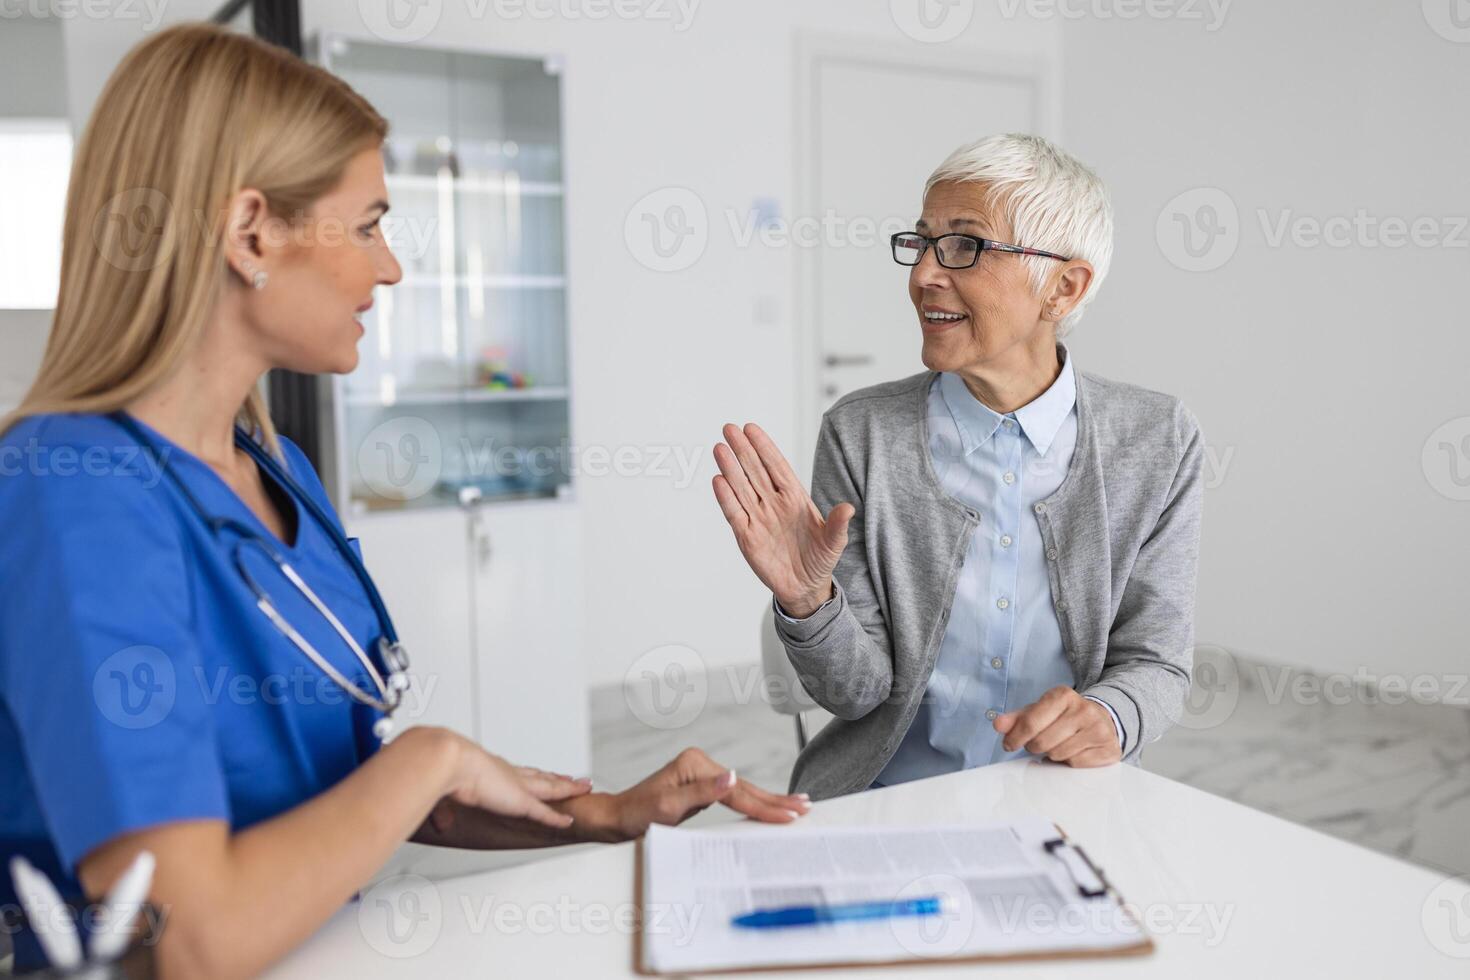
190 117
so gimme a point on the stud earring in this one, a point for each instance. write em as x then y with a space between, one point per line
258 277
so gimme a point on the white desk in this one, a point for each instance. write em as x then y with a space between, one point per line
1292 902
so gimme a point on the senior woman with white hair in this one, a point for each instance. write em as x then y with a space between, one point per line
1007 562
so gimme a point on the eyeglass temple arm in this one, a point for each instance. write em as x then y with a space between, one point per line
1021 250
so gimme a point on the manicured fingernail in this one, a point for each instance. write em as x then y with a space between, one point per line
792 814
730 778
804 796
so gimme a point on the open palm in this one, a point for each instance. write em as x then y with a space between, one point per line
788 544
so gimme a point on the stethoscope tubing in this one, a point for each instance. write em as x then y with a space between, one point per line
394 657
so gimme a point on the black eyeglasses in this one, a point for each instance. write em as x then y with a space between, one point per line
955 251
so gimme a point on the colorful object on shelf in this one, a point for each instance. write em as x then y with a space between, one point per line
494 373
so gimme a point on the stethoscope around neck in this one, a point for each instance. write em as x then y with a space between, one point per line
387 692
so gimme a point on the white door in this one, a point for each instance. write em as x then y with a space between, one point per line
532 688
420 562
877 126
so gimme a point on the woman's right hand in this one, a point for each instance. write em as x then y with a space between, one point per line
487 782
778 527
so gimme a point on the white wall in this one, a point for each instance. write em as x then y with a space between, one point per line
31 50
22 341
1319 372
94 45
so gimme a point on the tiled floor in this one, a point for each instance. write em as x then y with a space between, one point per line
1391 777
1394 777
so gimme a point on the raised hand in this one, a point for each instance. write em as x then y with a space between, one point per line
788 544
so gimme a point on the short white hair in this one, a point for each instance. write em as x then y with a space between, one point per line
1051 200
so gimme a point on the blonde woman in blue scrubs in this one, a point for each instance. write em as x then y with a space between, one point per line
253 187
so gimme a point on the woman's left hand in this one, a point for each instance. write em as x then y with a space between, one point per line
689 784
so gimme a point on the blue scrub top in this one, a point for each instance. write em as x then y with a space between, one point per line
139 682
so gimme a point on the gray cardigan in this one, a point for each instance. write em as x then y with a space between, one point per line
1121 537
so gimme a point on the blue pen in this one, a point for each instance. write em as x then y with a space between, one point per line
806 915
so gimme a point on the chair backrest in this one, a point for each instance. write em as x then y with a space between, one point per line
783 690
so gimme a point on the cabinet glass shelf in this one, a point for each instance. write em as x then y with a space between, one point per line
431 396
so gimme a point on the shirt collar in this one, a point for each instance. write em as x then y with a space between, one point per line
1040 418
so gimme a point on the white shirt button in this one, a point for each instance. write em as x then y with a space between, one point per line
1008 423
1009 477
996 662
1005 540
1002 603
992 714
1040 508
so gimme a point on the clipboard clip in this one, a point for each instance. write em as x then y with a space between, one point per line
1088 876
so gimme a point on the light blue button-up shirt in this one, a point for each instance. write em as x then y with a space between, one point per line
1003 646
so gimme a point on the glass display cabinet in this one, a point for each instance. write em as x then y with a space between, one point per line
447 450
472 344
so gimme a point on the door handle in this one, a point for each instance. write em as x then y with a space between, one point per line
469 499
479 537
848 360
